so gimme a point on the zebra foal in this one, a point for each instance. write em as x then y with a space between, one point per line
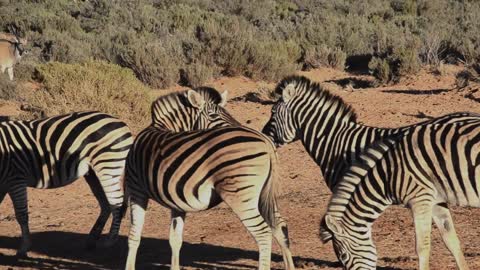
194 156
426 169
55 151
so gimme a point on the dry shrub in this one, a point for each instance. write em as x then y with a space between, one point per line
402 60
8 89
196 74
153 62
380 69
407 59
93 85
316 56
273 60
323 56
267 92
439 69
468 75
260 39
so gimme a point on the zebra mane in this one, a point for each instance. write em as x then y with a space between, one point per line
358 172
211 95
305 85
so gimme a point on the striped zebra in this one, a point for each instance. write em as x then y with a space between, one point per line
425 169
187 167
53 152
327 126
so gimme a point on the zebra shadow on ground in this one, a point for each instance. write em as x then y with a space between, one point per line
66 250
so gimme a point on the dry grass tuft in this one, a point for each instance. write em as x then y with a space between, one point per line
93 85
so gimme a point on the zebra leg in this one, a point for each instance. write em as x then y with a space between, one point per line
18 194
176 231
280 232
422 217
111 190
138 206
247 210
10 73
443 220
97 228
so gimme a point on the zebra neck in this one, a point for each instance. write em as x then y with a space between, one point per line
169 126
357 202
332 138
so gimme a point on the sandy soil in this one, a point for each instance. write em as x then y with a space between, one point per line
60 219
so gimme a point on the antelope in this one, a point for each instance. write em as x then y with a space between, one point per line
11 51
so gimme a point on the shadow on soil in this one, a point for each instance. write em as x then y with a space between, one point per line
355 83
417 92
253 97
66 251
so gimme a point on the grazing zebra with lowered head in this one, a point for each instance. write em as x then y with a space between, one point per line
187 167
55 151
424 169
328 128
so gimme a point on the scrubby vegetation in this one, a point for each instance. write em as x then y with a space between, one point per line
191 41
469 75
92 85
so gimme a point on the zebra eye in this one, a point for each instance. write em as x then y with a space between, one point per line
344 257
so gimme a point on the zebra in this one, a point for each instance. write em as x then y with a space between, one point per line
182 164
53 152
328 127
425 169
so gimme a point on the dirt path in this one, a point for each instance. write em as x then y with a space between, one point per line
60 219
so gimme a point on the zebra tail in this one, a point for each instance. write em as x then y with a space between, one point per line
267 203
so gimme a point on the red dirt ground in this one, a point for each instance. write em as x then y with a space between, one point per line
60 219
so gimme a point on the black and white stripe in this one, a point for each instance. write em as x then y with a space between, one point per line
326 125
426 169
193 156
328 128
54 152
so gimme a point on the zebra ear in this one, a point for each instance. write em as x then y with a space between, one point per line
325 233
288 92
224 98
195 99
329 227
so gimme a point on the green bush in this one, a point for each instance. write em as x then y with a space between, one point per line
8 89
401 61
263 39
380 68
92 85
196 74
151 62
407 59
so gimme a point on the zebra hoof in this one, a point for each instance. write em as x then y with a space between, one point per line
24 248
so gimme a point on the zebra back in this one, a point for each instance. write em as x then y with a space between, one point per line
177 136
54 151
327 126
427 165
